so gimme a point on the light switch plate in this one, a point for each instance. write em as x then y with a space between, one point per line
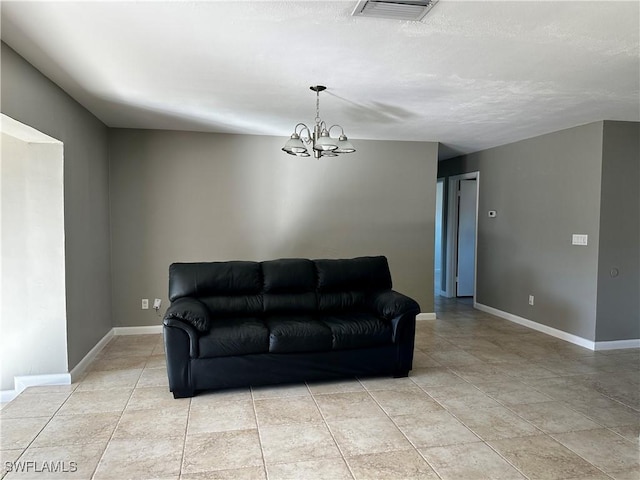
579 239
156 303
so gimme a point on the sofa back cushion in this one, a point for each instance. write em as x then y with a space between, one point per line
344 284
289 285
362 273
214 278
226 288
233 306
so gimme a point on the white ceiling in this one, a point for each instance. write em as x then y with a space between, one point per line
471 75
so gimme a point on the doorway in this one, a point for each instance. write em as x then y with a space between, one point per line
462 221
32 261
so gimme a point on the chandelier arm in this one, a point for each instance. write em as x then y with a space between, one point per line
304 127
336 125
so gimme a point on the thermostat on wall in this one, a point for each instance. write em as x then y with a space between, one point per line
492 213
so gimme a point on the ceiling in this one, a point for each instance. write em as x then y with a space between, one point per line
471 75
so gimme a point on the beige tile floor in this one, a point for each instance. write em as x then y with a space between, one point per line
487 399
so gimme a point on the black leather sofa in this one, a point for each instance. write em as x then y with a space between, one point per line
240 323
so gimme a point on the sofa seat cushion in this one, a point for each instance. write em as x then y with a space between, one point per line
297 333
357 330
234 336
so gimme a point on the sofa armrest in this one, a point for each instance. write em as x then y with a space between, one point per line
400 311
170 339
390 304
180 346
191 311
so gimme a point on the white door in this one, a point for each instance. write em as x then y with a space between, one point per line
466 238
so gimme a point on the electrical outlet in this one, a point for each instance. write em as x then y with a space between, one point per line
531 299
156 304
145 304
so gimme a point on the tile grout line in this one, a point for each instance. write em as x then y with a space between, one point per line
95 470
51 418
553 400
326 424
24 450
580 375
554 375
544 433
575 410
404 435
576 453
486 442
255 416
552 438
611 429
471 430
184 442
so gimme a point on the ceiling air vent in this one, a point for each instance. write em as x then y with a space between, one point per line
409 10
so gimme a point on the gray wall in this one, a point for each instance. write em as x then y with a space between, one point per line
544 189
618 296
184 196
30 98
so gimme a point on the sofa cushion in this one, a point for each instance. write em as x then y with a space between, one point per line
289 286
214 278
357 330
289 275
234 336
233 305
341 301
290 302
297 333
356 274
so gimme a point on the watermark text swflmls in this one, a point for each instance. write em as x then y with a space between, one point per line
58 466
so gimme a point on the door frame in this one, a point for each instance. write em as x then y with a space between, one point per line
452 233
442 291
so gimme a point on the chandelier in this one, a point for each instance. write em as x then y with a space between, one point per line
320 140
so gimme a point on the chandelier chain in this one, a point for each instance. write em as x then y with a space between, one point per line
318 120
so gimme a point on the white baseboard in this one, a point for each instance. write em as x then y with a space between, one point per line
618 344
426 316
152 329
554 332
83 364
22 382
7 395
